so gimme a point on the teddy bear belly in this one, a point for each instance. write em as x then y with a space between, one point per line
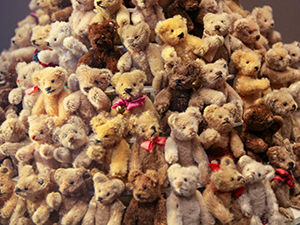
150 161
102 214
257 194
190 211
180 101
145 213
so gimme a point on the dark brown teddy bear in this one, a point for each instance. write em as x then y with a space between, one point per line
104 54
147 206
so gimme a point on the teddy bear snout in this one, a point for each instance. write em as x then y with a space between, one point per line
178 81
34 42
33 137
181 35
219 74
96 41
138 196
257 37
17 190
294 107
178 184
100 199
128 90
48 89
217 27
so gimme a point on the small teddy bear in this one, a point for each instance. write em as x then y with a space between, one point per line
219 137
258 199
294 52
141 54
58 10
103 53
146 190
185 204
220 195
22 37
294 90
105 207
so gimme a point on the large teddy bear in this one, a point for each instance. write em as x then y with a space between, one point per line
185 204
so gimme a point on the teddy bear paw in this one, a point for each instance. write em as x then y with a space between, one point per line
161 108
4 214
46 151
171 158
71 105
39 217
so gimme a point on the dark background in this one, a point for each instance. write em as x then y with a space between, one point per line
286 15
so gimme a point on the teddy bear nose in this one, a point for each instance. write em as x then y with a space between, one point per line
257 37
96 40
217 27
100 199
256 68
33 137
48 44
13 41
34 42
178 81
99 3
294 106
48 88
138 195
291 164
239 178
226 119
181 35
17 190
219 73
153 128
71 140
128 90
272 24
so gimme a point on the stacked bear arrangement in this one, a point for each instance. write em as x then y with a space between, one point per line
164 153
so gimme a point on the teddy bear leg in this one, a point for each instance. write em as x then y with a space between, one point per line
42 214
295 202
119 161
287 213
74 216
255 220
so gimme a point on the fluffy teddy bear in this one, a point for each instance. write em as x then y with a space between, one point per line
22 37
91 98
51 82
105 207
246 83
219 137
178 43
111 149
103 54
65 49
141 54
183 146
220 195
258 200
276 67
72 199
80 19
148 11
147 152
185 204
294 89
147 206
129 86
294 52
265 21
58 10
296 172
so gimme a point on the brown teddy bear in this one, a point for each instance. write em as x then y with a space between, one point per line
51 82
219 137
103 53
185 204
105 207
90 99
294 52
147 207
57 10
220 195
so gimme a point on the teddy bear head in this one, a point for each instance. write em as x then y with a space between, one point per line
72 134
183 180
50 80
144 4
39 35
281 102
12 129
22 36
25 71
107 190
278 58
111 6
58 32
247 62
217 24
247 30
220 118
92 77
172 31
294 90
31 185
282 157
136 37
108 130
227 178
264 18
40 129
214 74
253 171
102 35
7 169
207 6
182 75
146 185
184 125
7 185
71 181
129 85
145 126
294 52
33 5
83 5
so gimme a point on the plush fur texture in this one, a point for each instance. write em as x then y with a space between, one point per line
294 52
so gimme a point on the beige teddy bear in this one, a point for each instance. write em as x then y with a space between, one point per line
105 207
294 52
294 90
185 204
22 37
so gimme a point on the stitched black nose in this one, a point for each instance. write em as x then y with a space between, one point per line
138 195
13 41
48 44
294 106
17 190
178 81
48 88
86 89
34 42
256 68
219 73
128 90
227 120
240 177
272 24
257 37
153 128
100 199
181 35
217 27
71 140
291 164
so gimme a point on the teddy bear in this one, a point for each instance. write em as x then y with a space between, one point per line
22 37
246 83
221 194
148 11
219 137
141 54
65 49
296 151
276 67
71 201
110 149
183 146
129 87
103 53
91 98
105 207
293 49
51 82
146 190
178 43
58 10
294 89
185 204
258 199
80 19
265 21
147 152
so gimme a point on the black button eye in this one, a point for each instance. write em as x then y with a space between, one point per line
26 188
102 37
281 58
172 30
5 170
259 174
24 77
106 136
247 62
144 187
220 117
136 37
134 84
55 39
96 82
71 182
107 194
40 181
183 127
143 130
232 179
185 179
52 81
285 104
41 132
98 141
1 185
250 31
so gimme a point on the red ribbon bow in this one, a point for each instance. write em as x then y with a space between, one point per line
285 177
149 145
130 104
31 90
214 166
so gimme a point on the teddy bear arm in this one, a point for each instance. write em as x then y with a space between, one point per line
47 151
116 213
206 217
274 37
160 217
209 137
62 14
96 152
173 213
135 161
248 86
75 214
75 46
62 155
15 96
270 198
123 17
19 211
54 200
89 217
125 63
254 143
26 153
72 102
42 214
9 206
171 151
63 114
162 101
82 160
131 213
99 99
207 96
244 204
10 149
49 57
232 95
168 53
39 106
236 145
119 160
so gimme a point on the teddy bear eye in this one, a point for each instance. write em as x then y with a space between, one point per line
134 84
144 187
266 20
225 66
106 136
222 21
220 117
136 37
211 71
185 179
75 131
183 127
40 181
65 135
284 104
24 77
71 182
54 39
107 194
293 54
282 160
172 30
1 185
52 81
26 188
247 62
281 58
232 179
40 38
5 170
41 132
250 31
96 82
143 130
98 141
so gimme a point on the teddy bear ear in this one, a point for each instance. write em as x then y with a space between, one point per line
232 108
58 174
180 18
20 65
55 134
153 175
133 175
208 17
277 45
105 73
239 24
161 28
133 123
118 186
26 171
99 178
173 169
209 109
172 119
272 152
61 73
244 160
270 100
141 74
195 112
8 167
36 76
115 79
236 57
268 8
227 162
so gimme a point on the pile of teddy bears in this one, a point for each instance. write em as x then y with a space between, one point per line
149 112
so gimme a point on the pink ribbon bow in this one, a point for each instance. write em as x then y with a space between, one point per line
130 104
32 90
149 145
